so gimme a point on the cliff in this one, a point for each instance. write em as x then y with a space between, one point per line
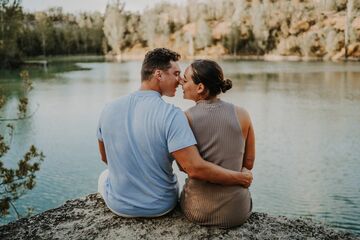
265 29
88 218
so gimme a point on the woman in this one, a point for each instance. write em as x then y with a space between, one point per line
225 136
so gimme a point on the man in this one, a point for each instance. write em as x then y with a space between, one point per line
140 134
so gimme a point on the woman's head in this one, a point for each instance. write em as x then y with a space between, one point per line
204 79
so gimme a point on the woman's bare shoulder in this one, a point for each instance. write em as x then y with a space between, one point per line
187 114
242 114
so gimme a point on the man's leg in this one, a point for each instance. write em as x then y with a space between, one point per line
101 189
101 182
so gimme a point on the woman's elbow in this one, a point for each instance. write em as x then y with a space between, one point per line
249 163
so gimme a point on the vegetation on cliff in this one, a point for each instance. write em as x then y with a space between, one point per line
308 29
16 176
46 33
322 29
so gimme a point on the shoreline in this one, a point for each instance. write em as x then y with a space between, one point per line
267 57
40 60
89 218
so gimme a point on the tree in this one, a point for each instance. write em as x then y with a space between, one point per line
115 26
349 8
10 27
259 28
203 38
14 182
148 27
43 28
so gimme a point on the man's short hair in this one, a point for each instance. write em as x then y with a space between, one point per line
159 58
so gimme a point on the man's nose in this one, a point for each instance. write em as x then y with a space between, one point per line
180 80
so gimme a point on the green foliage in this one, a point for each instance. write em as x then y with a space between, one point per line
56 33
10 28
14 182
248 27
46 33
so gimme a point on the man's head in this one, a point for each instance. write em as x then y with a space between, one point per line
160 65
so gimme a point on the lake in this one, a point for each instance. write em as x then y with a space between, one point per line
306 117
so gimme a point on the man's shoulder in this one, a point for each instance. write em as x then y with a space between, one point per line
117 101
168 107
173 110
113 106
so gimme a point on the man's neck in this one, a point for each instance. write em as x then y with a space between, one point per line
149 85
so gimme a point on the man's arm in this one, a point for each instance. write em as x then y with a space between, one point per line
191 162
102 151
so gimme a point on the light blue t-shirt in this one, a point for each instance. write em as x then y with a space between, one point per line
139 132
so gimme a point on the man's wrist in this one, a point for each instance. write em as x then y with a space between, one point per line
241 178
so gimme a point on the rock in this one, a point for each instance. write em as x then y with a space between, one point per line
284 29
212 52
245 32
301 26
272 57
189 28
354 50
356 23
88 218
338 55
221 30
288 46
356 28
341 4
337 22
335 42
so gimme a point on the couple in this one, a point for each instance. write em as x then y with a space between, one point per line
140 135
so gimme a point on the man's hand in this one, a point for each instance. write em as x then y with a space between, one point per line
247 178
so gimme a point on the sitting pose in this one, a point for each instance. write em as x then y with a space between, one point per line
225 137
136 135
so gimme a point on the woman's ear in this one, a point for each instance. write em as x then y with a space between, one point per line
200 88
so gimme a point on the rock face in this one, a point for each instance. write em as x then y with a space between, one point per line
88 218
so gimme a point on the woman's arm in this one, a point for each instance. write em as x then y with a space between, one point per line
249 137
249 155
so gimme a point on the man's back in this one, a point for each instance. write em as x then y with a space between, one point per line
139 131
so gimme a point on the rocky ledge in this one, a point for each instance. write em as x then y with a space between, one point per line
88 218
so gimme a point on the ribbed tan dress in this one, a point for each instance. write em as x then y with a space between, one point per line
220 141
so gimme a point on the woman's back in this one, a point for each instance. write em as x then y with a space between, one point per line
220 140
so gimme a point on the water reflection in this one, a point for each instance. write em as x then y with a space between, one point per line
306 118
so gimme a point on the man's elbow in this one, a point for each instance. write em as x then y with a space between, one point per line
104 160
191 173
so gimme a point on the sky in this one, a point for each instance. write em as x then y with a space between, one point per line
75 6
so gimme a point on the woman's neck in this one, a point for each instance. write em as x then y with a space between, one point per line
206 99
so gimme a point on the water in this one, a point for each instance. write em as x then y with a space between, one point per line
306 118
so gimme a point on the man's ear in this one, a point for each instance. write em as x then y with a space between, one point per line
157 74
200 88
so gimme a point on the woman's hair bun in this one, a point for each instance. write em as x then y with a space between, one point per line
226 85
